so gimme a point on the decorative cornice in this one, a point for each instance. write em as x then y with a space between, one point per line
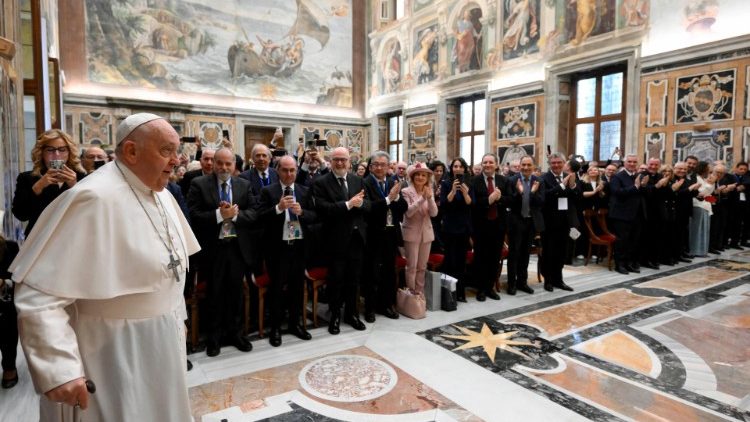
716 51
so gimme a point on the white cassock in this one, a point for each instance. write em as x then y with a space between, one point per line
96 298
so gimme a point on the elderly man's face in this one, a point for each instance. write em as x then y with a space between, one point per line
224 163
653 165
379 167
680 170
527 167
556 165
340 161
287 170
156 155
489 165
515 166
207 161
261 159
401 169
631 164
91 156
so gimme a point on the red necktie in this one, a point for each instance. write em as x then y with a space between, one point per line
492 213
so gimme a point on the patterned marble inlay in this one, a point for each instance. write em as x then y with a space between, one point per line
691 281
573 316
347 378
620 396
622 349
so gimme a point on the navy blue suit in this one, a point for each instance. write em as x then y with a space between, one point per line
521 229
557 224
627 212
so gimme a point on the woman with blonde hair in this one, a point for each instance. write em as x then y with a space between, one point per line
417 226
57 168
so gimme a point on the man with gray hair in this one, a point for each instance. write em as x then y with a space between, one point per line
120 323
261 175
383 237
627 211
560 197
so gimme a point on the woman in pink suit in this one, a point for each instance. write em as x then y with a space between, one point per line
416 226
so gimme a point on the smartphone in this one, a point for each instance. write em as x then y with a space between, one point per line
278 152
459 177
320 143
56 164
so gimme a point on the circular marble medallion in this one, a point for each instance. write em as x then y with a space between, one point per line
347 378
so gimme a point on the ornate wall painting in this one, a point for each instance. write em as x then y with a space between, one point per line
508 153
656 103
705 98
390 67
210 135
284 50
420 135
700 15
95 128
421 4
425 60
516 122
521 26
587 18
745 144
707 146
354 139
632 13
334 137
467 41
655 144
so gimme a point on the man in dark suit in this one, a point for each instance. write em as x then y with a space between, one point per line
286 209
261 175
207 167
525 220
221 215
684 194
651 244
342 204
312 167
739 212
383 238
490 221
627 212
560 197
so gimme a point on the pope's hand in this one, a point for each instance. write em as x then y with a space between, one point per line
71 393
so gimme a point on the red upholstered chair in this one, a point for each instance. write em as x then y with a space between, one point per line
601 237
261 281
314 279
435 261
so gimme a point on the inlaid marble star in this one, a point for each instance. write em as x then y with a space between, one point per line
490 341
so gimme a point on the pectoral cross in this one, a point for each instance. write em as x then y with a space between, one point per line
173 264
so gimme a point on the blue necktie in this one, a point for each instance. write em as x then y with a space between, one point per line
288 192
225 192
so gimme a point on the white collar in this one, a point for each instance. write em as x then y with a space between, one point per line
132 179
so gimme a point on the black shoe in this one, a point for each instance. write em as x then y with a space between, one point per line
713 251
633 269
355 322
481 297
621 269
736 246
11 382
333 324
745 244
688 255
563 286
493 295
389 313
684 259
511 290
548 287
299 331
189 365
461 298
370 316
526 289
275 337
242 344
721 249
212 348
650 266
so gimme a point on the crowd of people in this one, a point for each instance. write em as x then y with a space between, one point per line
278 216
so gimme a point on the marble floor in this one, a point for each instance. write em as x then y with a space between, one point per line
666 345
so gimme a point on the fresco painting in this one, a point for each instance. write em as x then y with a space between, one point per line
587 18
282 50
467 40
425 61
390 67
520 28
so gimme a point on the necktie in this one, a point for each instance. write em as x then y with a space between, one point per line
265 179
525 206
492 212
559 179
344 190
288 192
382 187
225 192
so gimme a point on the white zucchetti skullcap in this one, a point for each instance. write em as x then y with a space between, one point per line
131 123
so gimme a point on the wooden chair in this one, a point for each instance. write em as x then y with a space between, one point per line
192 302
315 278
602 238
260 281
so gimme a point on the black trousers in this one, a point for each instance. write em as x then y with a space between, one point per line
379 277
520 234
650 243
344 276
555 248
628 234
286 268
8 334
718 226
488 244
224 295
454 263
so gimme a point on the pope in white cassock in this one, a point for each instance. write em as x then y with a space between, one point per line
100 281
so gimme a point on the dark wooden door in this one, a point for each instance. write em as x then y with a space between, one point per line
259 135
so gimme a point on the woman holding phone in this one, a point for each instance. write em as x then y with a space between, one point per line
57 168
455 204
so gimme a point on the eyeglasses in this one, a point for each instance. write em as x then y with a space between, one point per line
52 150
340 159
